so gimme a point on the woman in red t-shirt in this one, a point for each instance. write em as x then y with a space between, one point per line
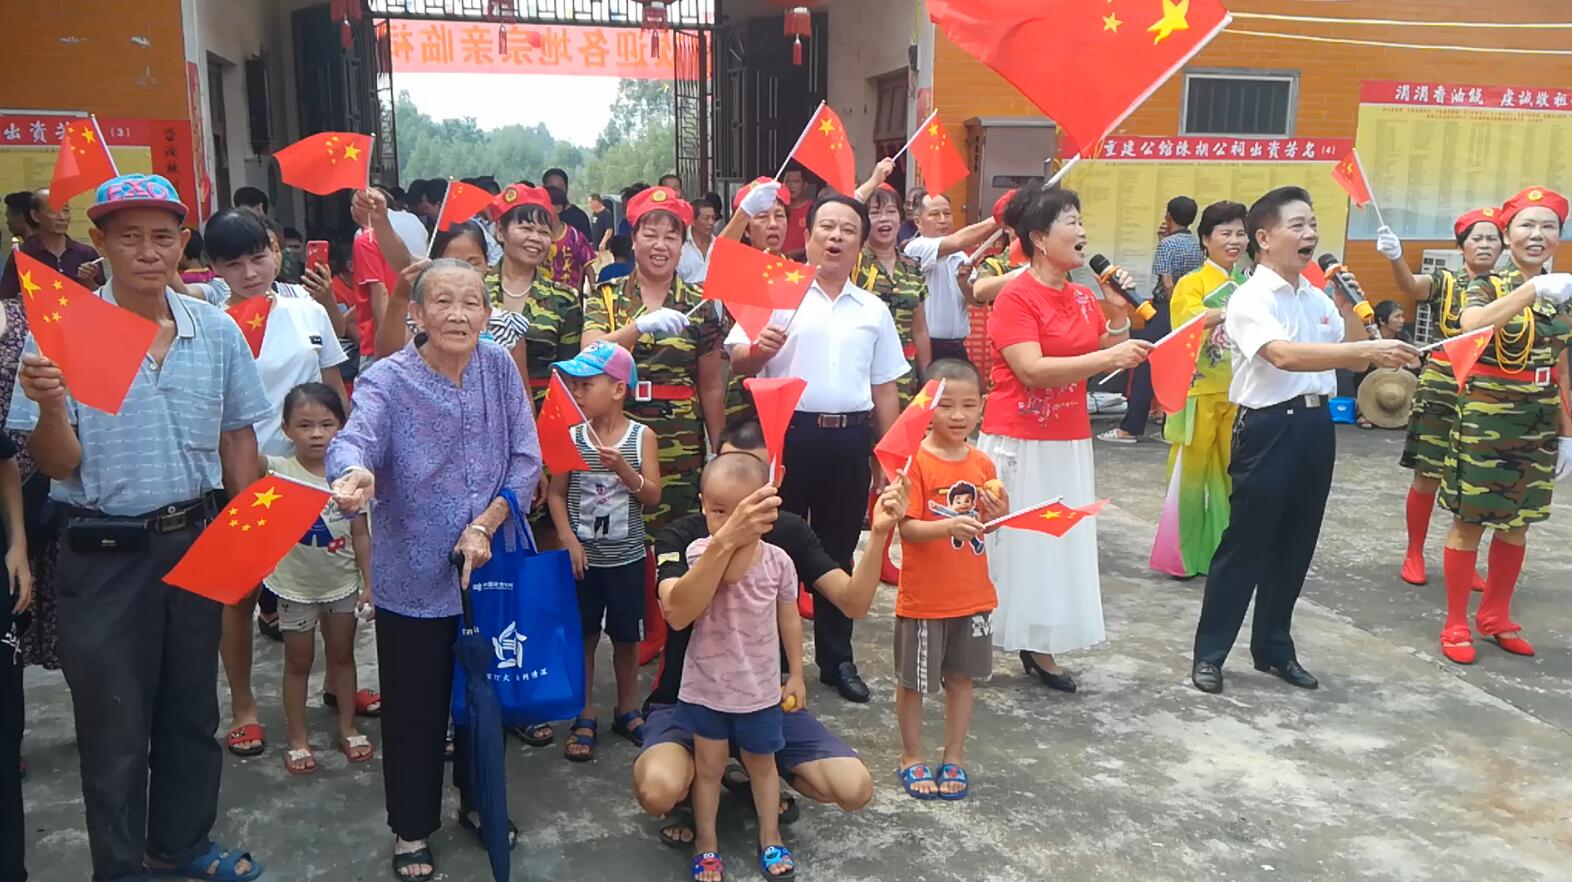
1048 335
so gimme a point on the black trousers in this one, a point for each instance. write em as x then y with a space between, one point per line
1140 395
141 659
12 850
1282 472
955 349
415 664
827 480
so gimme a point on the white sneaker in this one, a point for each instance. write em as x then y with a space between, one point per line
1114 436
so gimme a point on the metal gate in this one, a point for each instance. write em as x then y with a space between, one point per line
692 107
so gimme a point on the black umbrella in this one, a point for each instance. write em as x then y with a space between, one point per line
483 727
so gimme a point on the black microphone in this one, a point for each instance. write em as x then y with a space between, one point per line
1105 273
1348 286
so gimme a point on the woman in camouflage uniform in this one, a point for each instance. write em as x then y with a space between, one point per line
680 394
764 229
519 285
898 280
1506 454
1435 406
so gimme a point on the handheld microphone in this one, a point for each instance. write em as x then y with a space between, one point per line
1105 273
1348 286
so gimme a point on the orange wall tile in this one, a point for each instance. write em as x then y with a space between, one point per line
88 55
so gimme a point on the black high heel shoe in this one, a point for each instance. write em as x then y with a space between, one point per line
1061 681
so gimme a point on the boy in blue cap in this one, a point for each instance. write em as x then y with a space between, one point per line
599 514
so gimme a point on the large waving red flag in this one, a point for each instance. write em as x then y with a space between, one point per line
824 150
248 539
559 413
97 345
82 163
1173 363
462 202
1054 518
776 400
326 162
1350 175
1464 351
747 276
941 161
1106 57
895 450
251 315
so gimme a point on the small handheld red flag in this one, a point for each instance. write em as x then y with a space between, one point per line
326 162
248 539
1350 175
743 275
900 443
251 315
824 150
1315 275
461 203
941 161
97 345
559 413
1173 362
776 400
1054 518
82 163
753 319
1464 351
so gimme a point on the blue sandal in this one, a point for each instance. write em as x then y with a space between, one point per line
775 856
197 867
951 773
632 733
915 773
708 862
575 737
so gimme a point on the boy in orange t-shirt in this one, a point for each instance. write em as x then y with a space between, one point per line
943 633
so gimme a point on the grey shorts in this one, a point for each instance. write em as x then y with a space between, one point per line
926 649
296 616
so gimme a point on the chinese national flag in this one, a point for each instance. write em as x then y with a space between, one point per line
1314 275
248 539
1173 364
251 316
1464 351
461 203
824 150
941 161
739 274
1106 57
559 413
900 443
1350 175
776 400
326 162
82 163
1054 518
752 318
97 345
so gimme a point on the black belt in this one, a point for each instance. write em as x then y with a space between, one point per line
168 519
1298 402
802 419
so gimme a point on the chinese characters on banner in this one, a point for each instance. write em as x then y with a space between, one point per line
1126 190
1435 150
454 47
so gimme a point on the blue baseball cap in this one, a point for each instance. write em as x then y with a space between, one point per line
601 357
136 191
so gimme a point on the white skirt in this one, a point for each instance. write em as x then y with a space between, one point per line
1050 595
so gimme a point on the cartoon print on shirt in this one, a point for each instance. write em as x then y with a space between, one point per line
962 500
603 512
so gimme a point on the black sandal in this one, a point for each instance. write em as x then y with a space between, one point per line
414 858
681 818
270 630
538 735
480 835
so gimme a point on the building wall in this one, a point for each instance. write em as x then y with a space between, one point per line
93 56
1330 75
867 39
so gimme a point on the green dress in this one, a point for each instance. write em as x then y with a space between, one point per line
1435 403
556 327
1500 470
903 291
671 362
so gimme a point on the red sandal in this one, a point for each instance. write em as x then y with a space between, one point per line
364 699
242 734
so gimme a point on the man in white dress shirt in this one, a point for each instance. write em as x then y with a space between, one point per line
1288 341
843 342
941 250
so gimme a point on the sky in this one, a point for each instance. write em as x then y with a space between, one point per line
573 108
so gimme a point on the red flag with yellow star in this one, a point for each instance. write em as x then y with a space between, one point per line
1350 175
251 315
941 161
1085 64
1173 363
1054 518
248 539
1464 351
97 345
326 162
896 449
824 150
82 163
747 276
559 413
461 202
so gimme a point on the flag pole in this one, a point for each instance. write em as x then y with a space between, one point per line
1488 329
1028 510
909 141
100 132
800 138
371 147
432 242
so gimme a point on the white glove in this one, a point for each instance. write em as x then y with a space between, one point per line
1555 287
663 322
760 198
1564 459
1388 244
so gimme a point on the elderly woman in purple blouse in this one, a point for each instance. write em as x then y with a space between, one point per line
436 433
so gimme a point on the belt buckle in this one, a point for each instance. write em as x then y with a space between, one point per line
1543 376
171 520
1310 401
644 390
832 420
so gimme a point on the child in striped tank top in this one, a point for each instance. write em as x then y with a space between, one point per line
599 514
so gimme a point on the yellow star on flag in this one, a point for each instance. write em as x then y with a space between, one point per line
261 522
1111 22
1173 20
255 322
922 399
65 301
29 285
87 134
58 286
234 523
351 152
1051 514
55 316
266 498
826 126
245 528
933 129
794 277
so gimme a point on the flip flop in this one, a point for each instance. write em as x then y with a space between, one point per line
680 819
480 835
538 735
413 858
300 761
197 867
249 732
774 856
364 699
350 747
708 862
915 773
952 773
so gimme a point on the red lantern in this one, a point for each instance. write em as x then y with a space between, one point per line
655 19
799 24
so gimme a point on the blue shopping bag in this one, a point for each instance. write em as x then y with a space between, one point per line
526 604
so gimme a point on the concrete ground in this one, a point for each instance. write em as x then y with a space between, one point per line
1402 767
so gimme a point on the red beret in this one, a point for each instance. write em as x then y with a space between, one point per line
736 201
1534 197
1479 215
998 207
515 195
659 199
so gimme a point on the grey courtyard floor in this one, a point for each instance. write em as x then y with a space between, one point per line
1402 767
